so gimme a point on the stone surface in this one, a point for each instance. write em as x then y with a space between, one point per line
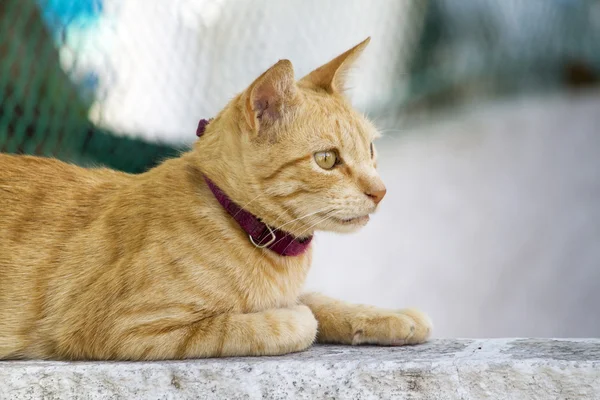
442 369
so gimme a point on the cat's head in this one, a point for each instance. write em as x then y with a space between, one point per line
302 157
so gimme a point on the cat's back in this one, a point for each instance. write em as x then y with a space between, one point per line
23 174
38 194
21 170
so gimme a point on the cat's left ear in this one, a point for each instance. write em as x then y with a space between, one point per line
270 96
331 77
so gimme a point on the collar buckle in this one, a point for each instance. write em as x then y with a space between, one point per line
270 242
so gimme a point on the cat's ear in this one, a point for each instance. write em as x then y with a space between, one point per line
270 96
332 76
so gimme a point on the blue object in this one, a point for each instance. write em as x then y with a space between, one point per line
59 14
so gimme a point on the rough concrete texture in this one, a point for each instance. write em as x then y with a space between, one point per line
442 369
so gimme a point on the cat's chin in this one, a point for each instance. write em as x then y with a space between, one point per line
347 225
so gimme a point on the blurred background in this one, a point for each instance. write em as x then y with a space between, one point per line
490 112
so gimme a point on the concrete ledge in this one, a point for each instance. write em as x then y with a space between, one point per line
443 369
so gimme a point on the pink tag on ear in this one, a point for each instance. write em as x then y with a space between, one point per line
201 127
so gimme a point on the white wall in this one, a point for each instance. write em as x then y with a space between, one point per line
491 223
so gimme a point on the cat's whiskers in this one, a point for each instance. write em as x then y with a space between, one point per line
325 211
247 204
285 211
300 218
264 253
329 214
297 219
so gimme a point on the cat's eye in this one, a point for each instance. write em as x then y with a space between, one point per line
326 159
372 151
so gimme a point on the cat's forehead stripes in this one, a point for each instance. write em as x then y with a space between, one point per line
348 126
355 137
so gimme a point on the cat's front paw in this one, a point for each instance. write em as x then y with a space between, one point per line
388 328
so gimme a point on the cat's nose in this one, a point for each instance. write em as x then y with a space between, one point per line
376 194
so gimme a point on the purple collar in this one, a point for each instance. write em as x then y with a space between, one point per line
260 234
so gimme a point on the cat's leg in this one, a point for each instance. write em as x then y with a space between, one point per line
344 323
270 332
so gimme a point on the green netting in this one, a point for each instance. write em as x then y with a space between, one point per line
41 110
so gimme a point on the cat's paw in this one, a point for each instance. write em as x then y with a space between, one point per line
291 329
388 328
304 326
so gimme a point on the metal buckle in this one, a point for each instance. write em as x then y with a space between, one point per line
270 242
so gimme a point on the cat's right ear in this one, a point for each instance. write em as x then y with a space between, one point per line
270 96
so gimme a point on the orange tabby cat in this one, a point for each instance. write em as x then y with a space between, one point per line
99 264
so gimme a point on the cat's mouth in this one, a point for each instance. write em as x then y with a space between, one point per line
363 219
